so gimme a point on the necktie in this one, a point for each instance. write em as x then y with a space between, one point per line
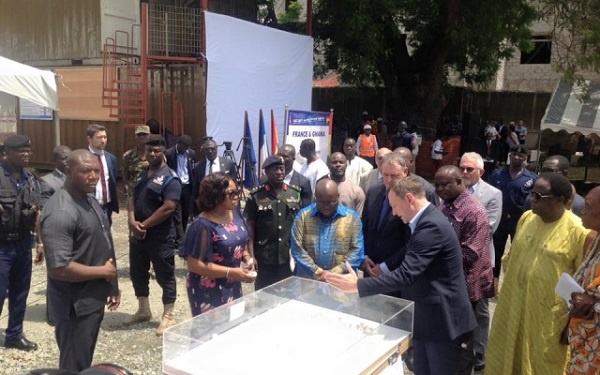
385 209
102 181
210 167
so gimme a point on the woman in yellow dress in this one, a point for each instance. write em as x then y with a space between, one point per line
529 317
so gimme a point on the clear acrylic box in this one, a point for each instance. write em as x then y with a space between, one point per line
297 326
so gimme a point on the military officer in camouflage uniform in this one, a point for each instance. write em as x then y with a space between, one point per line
270 212
134 160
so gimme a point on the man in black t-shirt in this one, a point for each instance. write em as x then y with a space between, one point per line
80 258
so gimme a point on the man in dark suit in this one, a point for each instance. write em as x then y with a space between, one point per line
490 151
429 189
384 234
106 190
288 153
54 180
51 183
433 269
210 164
182 160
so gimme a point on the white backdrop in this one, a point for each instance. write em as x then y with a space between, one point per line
251 67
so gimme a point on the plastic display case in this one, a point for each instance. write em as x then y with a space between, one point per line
297 326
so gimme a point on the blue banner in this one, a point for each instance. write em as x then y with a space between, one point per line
308 118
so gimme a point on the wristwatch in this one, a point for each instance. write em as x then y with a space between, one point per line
597 307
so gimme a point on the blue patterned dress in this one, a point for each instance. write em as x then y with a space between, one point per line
221 244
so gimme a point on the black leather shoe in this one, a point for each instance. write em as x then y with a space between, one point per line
20 343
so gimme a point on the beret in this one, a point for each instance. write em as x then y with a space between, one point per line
16 141
272 160
156 141
519 149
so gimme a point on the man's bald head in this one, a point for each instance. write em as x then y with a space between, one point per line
448 183
326 186
449 170
556 164
83 173
79 156
380 154
406 153
327 195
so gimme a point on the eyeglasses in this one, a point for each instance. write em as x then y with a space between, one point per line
550 170
468 169
233 194
538 196
327 203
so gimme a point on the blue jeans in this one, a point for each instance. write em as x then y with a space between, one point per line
15 279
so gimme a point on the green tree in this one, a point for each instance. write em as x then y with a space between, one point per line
576 37
411 46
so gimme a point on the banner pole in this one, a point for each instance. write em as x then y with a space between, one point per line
330 130
285 124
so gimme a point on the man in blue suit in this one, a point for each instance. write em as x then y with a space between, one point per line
433 270
106 189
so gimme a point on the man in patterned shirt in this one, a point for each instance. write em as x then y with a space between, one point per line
326 234
470 222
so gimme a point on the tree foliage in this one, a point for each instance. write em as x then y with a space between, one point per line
411 46
576 36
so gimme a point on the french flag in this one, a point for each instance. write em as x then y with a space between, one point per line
263 150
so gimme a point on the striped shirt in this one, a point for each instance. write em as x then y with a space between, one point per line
326 243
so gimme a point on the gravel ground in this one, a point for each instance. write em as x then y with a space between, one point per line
136 348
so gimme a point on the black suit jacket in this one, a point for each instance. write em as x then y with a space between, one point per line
171 155
385 241
111 162
494 150
433 269
303 183
225 165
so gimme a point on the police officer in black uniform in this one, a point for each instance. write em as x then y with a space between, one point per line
153 233
270 212
20 195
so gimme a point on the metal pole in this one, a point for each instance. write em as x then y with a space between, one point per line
285 124
56 119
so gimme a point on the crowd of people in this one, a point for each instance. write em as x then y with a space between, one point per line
365 209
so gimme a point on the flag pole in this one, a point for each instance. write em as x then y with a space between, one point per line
285 124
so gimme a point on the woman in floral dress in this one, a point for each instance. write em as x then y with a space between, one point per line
214 245
584 326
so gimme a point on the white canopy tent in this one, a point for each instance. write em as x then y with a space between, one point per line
24 81
566 112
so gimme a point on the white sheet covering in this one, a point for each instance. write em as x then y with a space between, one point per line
251 67
24 81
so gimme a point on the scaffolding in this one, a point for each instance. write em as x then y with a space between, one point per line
170 38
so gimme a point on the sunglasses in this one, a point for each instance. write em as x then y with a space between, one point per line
550 170
467 169
233 194
538 196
